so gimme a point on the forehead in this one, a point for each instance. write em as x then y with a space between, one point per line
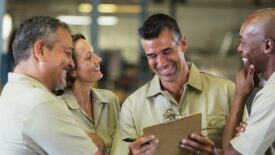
252 29
82 47
64 37
165 39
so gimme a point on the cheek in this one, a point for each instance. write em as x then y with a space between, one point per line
151 63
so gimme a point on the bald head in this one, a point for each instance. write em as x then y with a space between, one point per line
257 46
262 22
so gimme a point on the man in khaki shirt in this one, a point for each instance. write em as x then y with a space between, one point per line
32 120
177 85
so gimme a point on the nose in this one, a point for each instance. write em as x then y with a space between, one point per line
239 48
71 62
161 61
97 58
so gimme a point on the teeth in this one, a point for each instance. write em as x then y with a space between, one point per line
97 69
244 60
167 69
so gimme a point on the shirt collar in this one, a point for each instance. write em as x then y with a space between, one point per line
73 104
70 100
25 79
194 80
100 97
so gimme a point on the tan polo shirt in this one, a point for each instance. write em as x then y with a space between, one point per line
204 93
33 121
105 112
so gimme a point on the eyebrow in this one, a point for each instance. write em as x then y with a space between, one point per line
166 49
69 49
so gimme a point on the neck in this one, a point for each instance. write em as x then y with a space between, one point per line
31 69
175 88
268 71
81 92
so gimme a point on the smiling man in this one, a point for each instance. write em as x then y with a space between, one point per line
257 47
177 85
32 119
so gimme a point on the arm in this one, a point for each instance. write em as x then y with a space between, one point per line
127 129
98 142
52 127
244 86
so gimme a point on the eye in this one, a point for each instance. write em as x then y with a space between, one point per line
167 51
88 56
151 56
68 53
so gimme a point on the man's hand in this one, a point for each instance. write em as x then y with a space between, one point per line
197 144
98 142
144 145
245 82
240 129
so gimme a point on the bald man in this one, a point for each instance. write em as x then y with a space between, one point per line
257 48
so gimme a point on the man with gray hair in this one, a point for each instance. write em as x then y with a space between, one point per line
31 118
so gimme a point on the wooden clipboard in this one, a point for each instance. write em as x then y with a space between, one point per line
170 133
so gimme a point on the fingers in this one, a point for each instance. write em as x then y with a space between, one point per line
251 73
240 129
145 145
197 142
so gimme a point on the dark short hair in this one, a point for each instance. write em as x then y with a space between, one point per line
33 29
70 79
155 24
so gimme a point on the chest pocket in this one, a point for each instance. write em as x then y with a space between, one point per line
214 128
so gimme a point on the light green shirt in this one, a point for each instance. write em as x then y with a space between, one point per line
105 112
33 121
204 93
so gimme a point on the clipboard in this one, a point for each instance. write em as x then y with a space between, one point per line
170 133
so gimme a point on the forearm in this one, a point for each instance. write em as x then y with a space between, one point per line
233 119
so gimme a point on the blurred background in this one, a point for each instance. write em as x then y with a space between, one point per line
211 27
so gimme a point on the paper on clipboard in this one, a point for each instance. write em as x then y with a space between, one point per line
170 133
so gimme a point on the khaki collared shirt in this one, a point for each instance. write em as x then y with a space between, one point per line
105 112
204 93
33 121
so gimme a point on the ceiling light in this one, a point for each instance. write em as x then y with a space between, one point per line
75 20
86 20
107 8
107 20
110 8
6 26
85 7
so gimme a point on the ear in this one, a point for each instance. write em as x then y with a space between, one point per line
39 50
269 46
183 43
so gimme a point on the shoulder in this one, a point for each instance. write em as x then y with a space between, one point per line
216 80
138 96
107 95
104 93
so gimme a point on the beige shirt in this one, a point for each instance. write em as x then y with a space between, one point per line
259 136
33 121
204 93
105 112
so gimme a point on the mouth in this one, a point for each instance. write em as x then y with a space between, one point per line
245 60
167 69
97 69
